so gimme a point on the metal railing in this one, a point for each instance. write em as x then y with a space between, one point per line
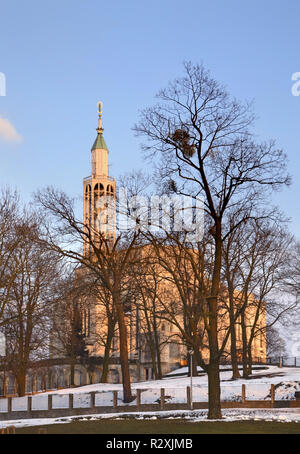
284 361
86 179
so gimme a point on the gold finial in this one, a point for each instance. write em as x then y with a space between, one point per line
100 106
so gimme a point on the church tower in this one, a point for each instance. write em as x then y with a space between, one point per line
99 191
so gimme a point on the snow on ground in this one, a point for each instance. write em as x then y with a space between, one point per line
263 375
286 381
229 415
184 370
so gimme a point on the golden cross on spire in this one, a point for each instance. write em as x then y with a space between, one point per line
100 106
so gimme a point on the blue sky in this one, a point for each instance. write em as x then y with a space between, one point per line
61 57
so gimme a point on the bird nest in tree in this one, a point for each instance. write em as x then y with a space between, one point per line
182 139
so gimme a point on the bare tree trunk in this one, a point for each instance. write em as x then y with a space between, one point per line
110 334
72 371
250 359
214 390
21 382
157 349
151 342
233 352
127 395
105 367
232 321
198 359
244 342
72 359
153 357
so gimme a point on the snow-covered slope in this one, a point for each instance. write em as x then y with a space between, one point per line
286 381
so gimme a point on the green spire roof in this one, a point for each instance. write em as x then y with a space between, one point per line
100 142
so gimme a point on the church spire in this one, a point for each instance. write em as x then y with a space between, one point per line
99 143
99 191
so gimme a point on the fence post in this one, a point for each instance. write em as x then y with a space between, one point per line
29 404
162 398
272 394
93 394
9 404
188 397
49 401
243 393
115 399
295 361
138 398
71 401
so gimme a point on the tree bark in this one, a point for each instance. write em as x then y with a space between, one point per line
250 360
72 360
127 395
110 333
245 347
233 352
214 390
21 383
157 349
153 358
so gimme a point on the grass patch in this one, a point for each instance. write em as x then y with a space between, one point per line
166 427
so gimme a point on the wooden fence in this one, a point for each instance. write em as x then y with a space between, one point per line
137 405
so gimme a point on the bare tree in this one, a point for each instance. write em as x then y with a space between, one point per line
269 286
110 259
203 137
255 261
28 310
276 346
67 336
109 322
149 310
9 215
178 286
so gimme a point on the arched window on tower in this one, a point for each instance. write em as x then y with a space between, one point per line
98 190
98 198
88 192
109 190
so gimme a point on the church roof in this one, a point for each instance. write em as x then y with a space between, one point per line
99 142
